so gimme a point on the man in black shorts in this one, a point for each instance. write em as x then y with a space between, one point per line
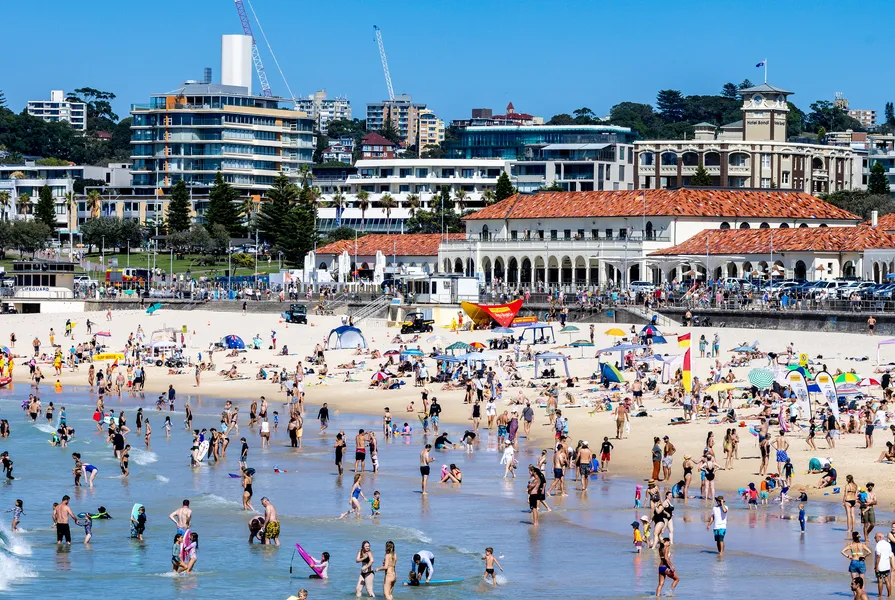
425 461
61 514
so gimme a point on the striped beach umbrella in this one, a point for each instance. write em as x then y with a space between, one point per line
847 378
761 378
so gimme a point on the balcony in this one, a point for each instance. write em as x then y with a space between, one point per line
820 174
739 170
668 170
534 245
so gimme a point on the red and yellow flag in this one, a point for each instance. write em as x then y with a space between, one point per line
683 341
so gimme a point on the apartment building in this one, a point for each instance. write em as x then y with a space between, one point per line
867 118
57 108
376 147
200 129
431 130
403 114
340 150
323 110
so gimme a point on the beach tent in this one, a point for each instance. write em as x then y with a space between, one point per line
535 332
346 337
621 349
546 358
881 344
233 341
611 374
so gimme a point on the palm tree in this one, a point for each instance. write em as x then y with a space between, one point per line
363 203
25 203
413 203
387 203
94 203
488 197
461 197
248 207
5 201
305 175
338 201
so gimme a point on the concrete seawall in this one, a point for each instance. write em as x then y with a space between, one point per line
845 322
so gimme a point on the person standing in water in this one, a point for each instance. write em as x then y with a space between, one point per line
388 565
182 517
271 523
246 490
365 558
425 461
666 567
718 523
61 515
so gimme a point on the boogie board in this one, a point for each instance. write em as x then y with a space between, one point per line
135 512
436 582
307 558
153 308
200 453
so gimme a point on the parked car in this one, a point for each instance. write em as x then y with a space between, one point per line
845 292
736 283
827 289
84 280
641 287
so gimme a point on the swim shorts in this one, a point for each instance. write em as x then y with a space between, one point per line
667 571
719 534
557 473
501 430
63 532
272 530
532 501
584 470
360 455
604 457
868 516
425 470
638 393
666 462
782 457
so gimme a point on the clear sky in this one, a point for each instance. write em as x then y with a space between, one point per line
546 56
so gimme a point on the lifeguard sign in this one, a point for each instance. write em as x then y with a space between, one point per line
483 314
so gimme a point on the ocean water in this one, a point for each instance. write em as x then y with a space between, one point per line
580 550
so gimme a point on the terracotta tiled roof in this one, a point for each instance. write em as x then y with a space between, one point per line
406 244
681 202
794 239
886 222
374 139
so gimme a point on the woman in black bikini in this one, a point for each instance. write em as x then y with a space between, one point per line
849 499
476 415
340 449
709 468
365 558
688 474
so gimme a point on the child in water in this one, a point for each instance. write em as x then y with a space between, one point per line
17 512
802 517
638 496
490 561
375 503
87 524
638 537
176 563
322 566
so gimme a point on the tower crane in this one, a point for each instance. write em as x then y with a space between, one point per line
256 57
388 77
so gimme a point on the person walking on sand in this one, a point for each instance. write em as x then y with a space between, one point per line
656 455
621 417
871 324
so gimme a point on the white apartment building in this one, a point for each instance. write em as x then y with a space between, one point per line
470 177
58 109
323 109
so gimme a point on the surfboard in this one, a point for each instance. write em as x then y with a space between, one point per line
184 553
436 582
234 475
307 558
153 308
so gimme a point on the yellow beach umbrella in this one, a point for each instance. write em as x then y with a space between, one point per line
616 331
721 387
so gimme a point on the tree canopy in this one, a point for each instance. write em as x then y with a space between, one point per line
223 208
179 208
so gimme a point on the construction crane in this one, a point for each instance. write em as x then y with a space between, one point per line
388 77
256 57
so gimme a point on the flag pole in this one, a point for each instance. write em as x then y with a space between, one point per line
765 70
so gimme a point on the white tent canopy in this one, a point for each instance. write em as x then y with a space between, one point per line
880 345
548 357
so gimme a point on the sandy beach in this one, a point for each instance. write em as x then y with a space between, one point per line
631 455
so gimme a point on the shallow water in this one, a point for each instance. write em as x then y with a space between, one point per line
581 549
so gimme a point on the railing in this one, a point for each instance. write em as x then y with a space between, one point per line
371 309
534 240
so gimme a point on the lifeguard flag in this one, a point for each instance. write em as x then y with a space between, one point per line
684 342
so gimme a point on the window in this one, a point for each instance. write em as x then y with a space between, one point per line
621 172
785 177
765 182
553 234
609 234
609 172
540 234
581 234
514 235
621 153
567 234
622 234
595 234
765 161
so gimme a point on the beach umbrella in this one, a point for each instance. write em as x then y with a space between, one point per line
570 329
801 370
435 339
615 331
503 330
103 334
761 378
581 344
379 376
391 352
477 345
847 378
868 381
611 373
412 352
458 346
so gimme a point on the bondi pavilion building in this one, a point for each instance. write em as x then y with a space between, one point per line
592 238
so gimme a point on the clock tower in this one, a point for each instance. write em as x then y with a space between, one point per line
764 113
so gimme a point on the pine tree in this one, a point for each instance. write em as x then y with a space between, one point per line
890 113
701 177
300 227
223 208
279 200
877 184
503 189
46 207
179 209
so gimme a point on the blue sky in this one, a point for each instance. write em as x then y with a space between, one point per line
544 56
